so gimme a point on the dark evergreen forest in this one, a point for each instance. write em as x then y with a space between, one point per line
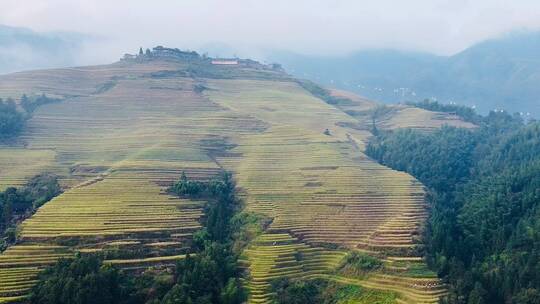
483 234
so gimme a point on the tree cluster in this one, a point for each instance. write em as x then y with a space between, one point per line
18 203
211 275
12 119
321 93
83 280
212 189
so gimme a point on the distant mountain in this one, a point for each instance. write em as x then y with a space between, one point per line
502 73
24 49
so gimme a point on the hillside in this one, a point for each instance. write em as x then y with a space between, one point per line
124 132
496 74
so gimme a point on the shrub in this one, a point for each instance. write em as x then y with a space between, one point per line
11 120
357 264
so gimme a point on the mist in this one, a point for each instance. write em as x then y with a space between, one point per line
250 28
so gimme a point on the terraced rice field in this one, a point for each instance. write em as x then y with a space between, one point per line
121 135
396 116
116 152
278 255
416 118
319 189
18 165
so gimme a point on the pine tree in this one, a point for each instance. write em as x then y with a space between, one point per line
477 294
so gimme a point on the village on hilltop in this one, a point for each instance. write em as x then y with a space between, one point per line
164 53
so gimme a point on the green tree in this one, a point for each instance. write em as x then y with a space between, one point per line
11 120
477 294
83 280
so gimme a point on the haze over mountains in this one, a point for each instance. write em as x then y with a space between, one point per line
23 49
282 152
502 73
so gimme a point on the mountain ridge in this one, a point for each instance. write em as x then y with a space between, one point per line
500 73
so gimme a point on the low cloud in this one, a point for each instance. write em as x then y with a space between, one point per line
247 27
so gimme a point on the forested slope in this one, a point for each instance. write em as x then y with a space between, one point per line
483 233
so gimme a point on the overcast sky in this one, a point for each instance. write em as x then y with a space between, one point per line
311 26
